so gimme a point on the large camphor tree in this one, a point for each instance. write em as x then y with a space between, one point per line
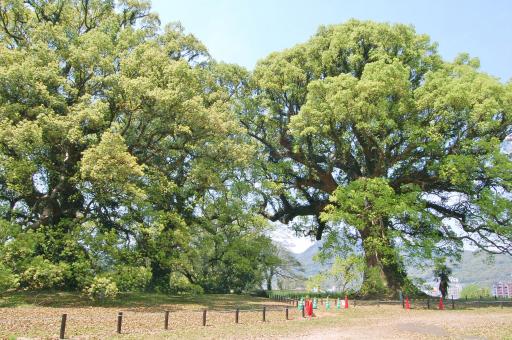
119 151
368 137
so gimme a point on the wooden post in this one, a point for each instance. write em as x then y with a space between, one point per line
237 312
204 317
166 323
453 303
286 312
303 314
264 312
119 322
63 326
428 302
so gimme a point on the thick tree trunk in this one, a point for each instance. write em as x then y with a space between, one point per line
385 274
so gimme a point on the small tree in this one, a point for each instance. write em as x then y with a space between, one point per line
346 271
281 265
343 272
443 273
473 291
316 281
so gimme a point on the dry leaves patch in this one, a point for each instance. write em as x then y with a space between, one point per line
186 322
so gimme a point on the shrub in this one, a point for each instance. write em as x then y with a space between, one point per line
374 285
42 274
8 280
101 288
179 284
81 274
130 278
474 291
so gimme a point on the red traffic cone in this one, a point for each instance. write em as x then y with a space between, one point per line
407 305
441 304
309 308
346 302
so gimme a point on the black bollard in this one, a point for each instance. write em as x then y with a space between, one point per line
204 317
166 321
264 312
119 322
63 326
286 313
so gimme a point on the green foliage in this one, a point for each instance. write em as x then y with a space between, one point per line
42 274
443 272
8 280
120 153
374 284
315 282
131 279
110 169
101 289
474 291
124 145
280 265
368 135
347 271
296 294
411 287
179 284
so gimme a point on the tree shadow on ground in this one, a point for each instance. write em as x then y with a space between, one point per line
143 300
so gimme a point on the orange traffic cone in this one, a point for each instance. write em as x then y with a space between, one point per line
441 304
310 308
346 302
407 305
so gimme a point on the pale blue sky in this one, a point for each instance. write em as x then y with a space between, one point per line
245 31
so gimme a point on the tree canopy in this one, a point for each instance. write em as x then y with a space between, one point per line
119 152
370 137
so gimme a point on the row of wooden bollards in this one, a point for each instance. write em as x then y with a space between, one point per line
166 319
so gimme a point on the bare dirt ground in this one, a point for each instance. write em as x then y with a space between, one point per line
485 323
146 321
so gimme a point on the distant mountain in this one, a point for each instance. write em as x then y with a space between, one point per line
473 267
306 259
476 268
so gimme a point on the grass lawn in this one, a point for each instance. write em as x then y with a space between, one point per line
38 316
